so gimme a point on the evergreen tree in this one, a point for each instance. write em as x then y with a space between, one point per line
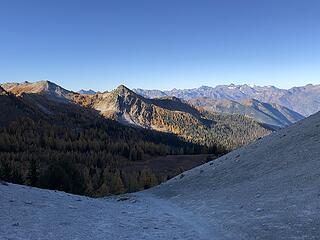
33 173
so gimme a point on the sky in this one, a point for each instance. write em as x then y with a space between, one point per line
160 44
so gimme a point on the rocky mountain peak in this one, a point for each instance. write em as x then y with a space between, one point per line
122 90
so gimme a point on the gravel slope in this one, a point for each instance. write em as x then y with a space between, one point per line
267 190
30 213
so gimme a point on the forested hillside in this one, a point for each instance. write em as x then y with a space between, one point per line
90 161
61 145
170 114
54 138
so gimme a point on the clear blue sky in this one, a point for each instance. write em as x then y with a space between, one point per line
160 44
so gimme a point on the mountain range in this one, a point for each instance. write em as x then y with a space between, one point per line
169 114
110 142
234 99
304 100
159 110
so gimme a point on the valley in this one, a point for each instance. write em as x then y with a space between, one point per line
266 190
145 154
108 143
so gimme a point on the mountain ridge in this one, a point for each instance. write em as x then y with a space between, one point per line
304 100
274 115
123 104
43 87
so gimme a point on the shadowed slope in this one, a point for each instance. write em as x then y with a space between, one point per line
13 108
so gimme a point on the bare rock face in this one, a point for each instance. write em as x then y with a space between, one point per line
125 106
128 107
